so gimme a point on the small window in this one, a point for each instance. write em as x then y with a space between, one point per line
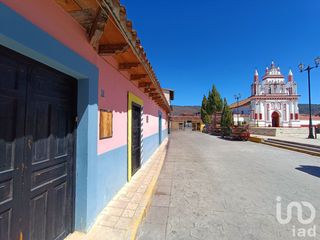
106 118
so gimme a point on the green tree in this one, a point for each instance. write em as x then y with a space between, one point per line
226 117
209 106
204 115
218 101
215 103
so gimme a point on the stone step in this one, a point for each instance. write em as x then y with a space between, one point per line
303 145
298 147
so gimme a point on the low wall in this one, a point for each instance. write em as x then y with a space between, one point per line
273 132
263 131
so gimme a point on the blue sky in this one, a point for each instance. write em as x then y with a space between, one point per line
193 44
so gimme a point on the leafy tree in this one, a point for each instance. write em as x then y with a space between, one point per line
226 117
204 115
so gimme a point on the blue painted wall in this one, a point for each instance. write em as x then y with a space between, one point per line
164 134
151 143
109 176
111 173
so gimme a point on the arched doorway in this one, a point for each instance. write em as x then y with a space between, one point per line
275 119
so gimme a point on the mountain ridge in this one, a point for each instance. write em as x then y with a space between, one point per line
192 110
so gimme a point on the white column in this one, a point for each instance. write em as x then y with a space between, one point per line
285 109
267 119
288 111
257 112
265 112
292 110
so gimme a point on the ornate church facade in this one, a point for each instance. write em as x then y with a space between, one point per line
274 101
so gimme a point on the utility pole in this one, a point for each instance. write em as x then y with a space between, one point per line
302 68
237 97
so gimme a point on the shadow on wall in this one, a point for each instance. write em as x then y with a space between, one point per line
116 86
312 170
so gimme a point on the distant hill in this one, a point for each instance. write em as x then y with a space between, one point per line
191 110
304 109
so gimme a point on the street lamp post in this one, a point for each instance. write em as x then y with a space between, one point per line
237 97
302 68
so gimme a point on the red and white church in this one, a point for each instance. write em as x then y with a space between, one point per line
273 101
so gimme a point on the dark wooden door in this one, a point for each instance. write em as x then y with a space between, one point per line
136 138
13 74
42 179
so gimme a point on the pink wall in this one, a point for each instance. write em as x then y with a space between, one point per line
55 21
51 18
116 87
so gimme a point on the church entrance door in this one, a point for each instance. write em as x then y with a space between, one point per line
275 119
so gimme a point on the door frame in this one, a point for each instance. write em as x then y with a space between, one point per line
132 99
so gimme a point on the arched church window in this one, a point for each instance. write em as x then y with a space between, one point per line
278 105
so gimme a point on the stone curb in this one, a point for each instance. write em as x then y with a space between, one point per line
147 198
256 139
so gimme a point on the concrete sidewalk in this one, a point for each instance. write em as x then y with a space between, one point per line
122 216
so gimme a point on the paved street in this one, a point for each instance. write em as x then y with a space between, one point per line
211 188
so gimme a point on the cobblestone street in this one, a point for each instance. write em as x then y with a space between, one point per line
211 188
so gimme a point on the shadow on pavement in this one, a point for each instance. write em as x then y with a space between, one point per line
230 139
225 138
312 170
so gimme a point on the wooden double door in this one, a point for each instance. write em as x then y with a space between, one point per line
37 127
